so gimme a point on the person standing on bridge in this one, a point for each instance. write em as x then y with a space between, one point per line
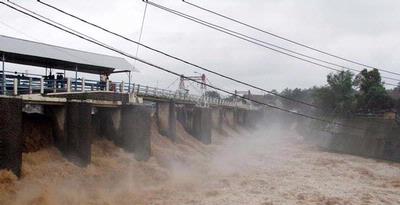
103 81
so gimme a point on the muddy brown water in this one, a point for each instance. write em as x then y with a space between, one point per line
265 167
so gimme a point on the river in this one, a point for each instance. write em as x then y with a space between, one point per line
269 166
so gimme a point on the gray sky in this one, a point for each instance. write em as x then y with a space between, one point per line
367 31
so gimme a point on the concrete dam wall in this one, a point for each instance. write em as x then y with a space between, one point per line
378 138
72 127
370 137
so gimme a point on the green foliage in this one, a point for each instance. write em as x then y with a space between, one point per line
339 95
367 79
372 96
292 94
324 98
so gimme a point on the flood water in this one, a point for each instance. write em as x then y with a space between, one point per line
266 167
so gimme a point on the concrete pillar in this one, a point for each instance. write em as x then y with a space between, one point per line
72 130
10 134
239 116
217 118
58 118
135 130
166 119
79 132
229 117
172 121
252 117
184 116
202 124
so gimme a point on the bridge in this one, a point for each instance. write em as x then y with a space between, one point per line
78 108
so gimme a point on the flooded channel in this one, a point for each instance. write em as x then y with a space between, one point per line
268 166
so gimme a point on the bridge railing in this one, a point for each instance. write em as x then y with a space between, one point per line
34 84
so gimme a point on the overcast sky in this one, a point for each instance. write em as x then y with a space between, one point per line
366 31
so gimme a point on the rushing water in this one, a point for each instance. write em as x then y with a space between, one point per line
270 166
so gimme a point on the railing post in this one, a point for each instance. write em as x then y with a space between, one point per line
4 76
107 85
15 86
138 89
129 83
76 78
83 85
41 86
147 89
54 86
121 86
133 88
68 85
30 85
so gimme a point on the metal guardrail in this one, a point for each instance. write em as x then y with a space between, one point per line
19 85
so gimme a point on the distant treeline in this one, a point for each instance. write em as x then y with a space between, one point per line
346 93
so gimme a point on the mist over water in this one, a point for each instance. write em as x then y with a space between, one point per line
267 165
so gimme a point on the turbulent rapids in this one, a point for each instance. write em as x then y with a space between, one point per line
268 166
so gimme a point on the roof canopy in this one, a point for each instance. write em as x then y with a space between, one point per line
32 53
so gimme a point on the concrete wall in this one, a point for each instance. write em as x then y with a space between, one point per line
102 96
10 134
185 116
240 117
136 125
127 126
229 117
166 119
72 131
197 121
202 124
217 117
74 124
378 138
79 132
253 117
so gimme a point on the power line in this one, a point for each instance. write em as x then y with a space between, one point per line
256 41
172 72
176 58
288 40
141 32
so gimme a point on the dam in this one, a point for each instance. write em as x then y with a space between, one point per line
75 140
77 108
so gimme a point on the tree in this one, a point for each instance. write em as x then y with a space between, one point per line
373 96
365 80
296 94
338 95
341 85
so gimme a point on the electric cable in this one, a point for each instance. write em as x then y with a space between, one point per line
286 39
176 58
172 72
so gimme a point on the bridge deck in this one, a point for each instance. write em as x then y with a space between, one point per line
84 89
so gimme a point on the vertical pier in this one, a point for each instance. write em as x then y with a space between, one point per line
10 134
